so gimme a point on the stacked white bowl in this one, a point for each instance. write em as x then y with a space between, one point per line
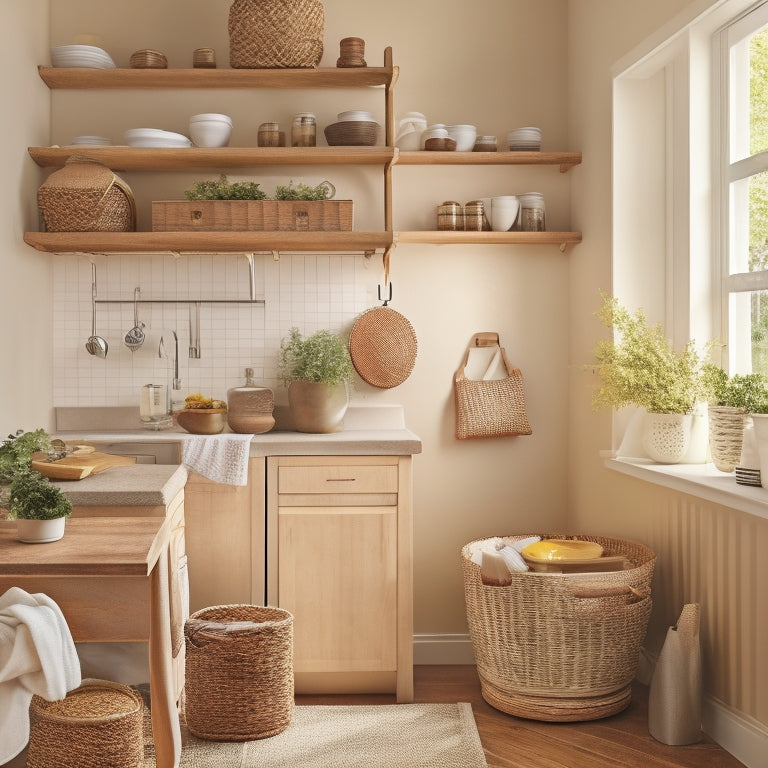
210 129
355 114
524 139
89 56
154 137
463 135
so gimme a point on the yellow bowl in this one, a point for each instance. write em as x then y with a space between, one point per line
203 421
562 549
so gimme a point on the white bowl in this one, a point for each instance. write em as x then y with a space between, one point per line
463 135
210 116
355 114
210 133
504 212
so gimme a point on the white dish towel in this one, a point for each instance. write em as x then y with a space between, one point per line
37 656
221 458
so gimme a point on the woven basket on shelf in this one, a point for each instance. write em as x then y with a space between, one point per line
86 196
726 433
239 672
98 724
560 647
274 34
351 133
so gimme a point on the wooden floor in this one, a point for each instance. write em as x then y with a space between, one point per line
620 741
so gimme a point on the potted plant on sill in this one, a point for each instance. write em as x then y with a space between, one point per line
640 367
317 371
731 400
39 507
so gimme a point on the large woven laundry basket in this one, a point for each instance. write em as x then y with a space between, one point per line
274 34
239 672
86 196
556 646
96 725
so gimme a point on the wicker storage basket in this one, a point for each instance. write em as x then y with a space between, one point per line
239 672
86 196
274 34
560 647
98 724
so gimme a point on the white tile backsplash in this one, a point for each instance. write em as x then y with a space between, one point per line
307 291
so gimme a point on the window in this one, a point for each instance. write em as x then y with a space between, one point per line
744 96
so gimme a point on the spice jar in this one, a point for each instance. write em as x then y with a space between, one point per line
270 135
474 216
450 216
304 130
485 144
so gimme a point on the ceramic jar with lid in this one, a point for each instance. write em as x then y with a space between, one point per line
270 135
532 212
450 216
250 407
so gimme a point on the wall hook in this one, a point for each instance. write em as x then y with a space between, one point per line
389 298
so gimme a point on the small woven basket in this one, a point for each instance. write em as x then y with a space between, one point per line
86 196
96 725
726 434
560 647
239 672
352 133
275 34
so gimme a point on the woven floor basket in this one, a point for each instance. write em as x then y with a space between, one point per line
274 34
98 724
239 672
86 196
544 652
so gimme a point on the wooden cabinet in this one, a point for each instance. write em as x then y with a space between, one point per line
339 553
225 539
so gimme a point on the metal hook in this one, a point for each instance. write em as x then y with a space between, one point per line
389 298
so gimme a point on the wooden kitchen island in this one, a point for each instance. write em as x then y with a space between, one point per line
110 578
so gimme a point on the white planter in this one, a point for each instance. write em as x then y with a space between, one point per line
760 422
666 436
40 531
317 408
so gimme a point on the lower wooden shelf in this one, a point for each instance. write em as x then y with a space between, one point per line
562 239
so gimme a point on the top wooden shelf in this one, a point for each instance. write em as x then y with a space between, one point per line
126 78
566 160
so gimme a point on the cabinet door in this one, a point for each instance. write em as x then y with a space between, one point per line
338 577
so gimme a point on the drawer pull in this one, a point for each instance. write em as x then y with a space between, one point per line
340 479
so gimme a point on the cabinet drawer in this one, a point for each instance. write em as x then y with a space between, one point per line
338 478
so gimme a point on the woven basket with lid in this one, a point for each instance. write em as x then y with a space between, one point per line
275 34
86 196
97 724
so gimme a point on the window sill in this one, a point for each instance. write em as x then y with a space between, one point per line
701 480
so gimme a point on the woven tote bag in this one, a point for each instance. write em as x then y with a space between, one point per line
490 407
275 34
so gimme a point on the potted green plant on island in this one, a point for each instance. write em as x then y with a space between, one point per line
39 507
639 367
730 400
317 370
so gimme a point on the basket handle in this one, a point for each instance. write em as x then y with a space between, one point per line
593 589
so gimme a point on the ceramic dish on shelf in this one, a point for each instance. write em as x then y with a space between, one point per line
81 56
353 115
91 141
154 137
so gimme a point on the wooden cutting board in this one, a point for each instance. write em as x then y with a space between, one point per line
78 467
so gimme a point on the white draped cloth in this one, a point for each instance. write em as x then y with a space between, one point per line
37 656
221 458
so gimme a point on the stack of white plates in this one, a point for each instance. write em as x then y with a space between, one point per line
91 141
81 56
154 137
355 115
746 476
524 139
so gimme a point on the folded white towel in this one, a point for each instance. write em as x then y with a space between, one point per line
37 656
221 458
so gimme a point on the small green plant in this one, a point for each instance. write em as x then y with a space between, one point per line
301 191
321 357
223 190
748 391
641 368
17 449
34 497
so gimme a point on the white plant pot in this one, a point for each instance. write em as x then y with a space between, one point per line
666 436
317 408
40 531
760 422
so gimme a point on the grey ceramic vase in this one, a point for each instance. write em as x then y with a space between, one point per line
317 407
674 700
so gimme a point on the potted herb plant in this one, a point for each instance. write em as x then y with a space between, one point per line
15 455
640 367
39 507
317 370
730 400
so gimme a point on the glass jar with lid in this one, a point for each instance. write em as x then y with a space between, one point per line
304 130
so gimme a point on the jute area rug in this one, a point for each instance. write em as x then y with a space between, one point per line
367 736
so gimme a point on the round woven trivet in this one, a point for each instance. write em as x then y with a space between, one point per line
383 347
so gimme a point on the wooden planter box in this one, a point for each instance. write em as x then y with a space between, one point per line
251 216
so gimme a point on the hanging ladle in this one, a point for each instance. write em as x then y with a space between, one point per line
95 344
135 337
